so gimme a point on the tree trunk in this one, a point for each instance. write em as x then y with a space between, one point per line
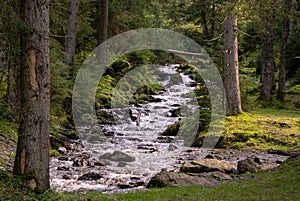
103 21
292 18
70 42
32 155
285 34
267 55
212 19
231 80
203 10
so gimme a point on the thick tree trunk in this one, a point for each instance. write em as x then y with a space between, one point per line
231 79
103 21
32 155
285 34
70 42
267 54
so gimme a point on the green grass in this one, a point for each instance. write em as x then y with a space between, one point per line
263 129
281 184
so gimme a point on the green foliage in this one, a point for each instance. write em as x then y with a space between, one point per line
8 129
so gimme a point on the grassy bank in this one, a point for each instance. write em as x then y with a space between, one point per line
280 184
263 129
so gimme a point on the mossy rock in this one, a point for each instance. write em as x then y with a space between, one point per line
172 130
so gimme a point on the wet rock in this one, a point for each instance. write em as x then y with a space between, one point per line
124 186
234 171
122 164
108 133
164 139
66 177
247 165
209 157
284 153
63 158
171 130
81 163
102 162
62 150
155 100
63 168
172 147
172 179
207 165
257 160
174 113
117 156
90 176
147 148
192 84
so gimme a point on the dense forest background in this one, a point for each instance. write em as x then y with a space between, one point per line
273 23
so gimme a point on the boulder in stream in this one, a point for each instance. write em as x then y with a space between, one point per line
171 130
90 176
117 156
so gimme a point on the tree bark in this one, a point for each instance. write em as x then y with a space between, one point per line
32 155
203 10
292 18
70 42
231 79
284 39
103 21
267 54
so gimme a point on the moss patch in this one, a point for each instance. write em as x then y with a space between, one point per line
263 129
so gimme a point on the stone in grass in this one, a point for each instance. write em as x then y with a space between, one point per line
247 165
117 156
90 176
221 176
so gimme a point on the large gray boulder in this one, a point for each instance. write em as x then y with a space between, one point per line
173 179
117 156
207 165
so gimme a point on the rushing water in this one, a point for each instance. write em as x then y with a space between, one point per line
133 149
139 139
